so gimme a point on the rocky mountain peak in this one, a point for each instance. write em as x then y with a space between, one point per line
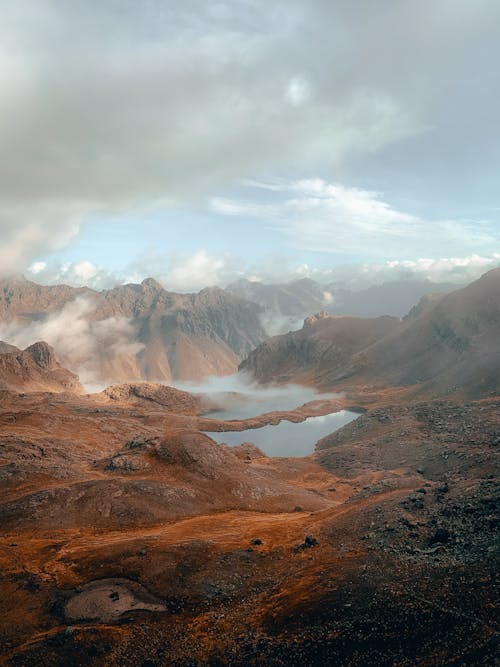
43 355
35 369
152 285
321 315
6 348
211 293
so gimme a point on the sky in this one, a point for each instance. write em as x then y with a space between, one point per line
199 143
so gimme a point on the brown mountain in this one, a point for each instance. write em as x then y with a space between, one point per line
448 343
135 332
34 369
323 349
20 298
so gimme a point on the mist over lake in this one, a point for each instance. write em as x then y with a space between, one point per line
237 397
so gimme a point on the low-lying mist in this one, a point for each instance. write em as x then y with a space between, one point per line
82 344
238 397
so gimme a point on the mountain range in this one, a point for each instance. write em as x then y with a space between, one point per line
132 536
145 332
134 331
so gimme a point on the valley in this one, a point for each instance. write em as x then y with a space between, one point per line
130 536
249 333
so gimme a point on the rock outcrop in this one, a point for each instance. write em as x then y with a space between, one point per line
171 399
35 369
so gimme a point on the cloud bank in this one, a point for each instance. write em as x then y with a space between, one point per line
185 273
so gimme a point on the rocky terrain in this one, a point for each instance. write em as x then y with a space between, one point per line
322 350
129 537
133 332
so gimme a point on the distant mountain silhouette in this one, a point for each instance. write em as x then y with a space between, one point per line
285 304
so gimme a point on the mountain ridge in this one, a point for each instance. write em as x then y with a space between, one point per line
447 343
137 331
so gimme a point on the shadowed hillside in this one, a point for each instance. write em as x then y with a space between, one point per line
447 343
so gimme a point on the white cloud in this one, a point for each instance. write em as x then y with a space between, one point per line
121 105
77 274
28 228
194 272
328 217
453 270
176 272
185 273
445 269
37 267
85 271
298 91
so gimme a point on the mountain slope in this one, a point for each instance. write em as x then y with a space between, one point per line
394 298
322 349
448 343
452 344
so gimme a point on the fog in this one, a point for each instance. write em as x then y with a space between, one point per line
275 324
238 397
81 344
